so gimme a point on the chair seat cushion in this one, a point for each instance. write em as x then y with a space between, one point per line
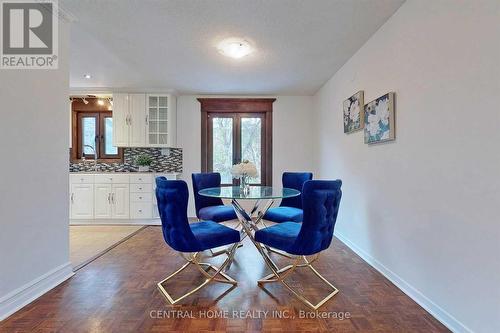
280 236
210 234
284 214
217 213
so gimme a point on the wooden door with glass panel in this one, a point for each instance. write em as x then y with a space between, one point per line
233 138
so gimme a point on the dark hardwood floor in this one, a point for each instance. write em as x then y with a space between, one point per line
117 293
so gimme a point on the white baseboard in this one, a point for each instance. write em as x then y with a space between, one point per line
436 311
26 294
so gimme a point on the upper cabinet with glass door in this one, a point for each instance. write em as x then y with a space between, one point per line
144 120
161 120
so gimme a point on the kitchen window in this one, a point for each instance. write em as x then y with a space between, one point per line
92 127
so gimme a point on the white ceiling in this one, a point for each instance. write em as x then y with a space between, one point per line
171 44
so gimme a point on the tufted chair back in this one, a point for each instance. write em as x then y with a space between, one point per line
294 180
172 197
320 202
202 181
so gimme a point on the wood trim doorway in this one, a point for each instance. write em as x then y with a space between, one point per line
238 108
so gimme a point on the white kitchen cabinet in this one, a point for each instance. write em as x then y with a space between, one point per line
81 178
129 120
120 120
82 201
112 178
140 210
106 197
141 120
111 201
120 202
140 188
161 120
137 123
140 196
102 200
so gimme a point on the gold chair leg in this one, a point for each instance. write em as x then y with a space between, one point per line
217 253
224 251
272 277
281 274
209 277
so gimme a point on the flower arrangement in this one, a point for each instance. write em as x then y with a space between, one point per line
244 171
245 168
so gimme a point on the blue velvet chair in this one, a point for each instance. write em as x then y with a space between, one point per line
290 209
320 201
180 235
208 208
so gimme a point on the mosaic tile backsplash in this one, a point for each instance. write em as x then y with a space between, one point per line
161 163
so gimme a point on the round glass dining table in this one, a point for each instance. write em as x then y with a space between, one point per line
253 193
249 219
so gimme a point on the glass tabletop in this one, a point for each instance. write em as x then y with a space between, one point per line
255 192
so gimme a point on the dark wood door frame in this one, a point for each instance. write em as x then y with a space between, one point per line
240 106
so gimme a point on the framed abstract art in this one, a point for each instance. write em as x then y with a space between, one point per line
379 119
353 112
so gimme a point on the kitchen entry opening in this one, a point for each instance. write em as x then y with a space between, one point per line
234 130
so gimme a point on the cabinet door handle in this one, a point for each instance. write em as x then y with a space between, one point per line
112 198
147 119
72 197
130 120
109 198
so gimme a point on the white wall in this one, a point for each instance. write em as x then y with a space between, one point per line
423 209
292 136
34 204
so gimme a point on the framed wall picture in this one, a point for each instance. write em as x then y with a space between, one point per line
379 119
353 112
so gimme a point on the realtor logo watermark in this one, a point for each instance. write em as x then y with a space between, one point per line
29 36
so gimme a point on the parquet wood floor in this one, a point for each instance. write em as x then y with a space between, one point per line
117 293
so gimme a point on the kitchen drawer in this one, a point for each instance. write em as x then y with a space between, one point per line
140 197
112 179
81 179
140 188
141 179
140 210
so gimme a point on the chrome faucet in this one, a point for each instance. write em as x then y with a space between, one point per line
95 156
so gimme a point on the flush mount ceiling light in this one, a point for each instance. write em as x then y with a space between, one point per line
87 76
235 48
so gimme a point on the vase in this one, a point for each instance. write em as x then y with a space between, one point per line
244 184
